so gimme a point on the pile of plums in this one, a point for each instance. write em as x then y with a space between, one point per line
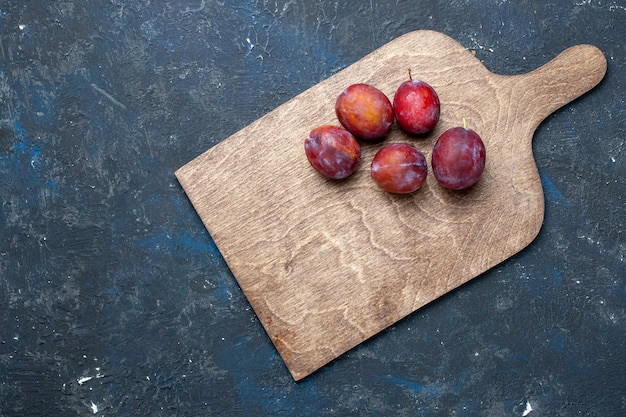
365 113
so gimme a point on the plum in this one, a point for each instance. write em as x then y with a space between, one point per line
416 106
332 151
365 111
458 158
399 168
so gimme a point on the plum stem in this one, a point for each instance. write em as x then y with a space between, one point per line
410 77
464 123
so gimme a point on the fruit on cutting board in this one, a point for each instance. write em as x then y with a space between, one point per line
416 106
365 111
458 158
332 151
399 168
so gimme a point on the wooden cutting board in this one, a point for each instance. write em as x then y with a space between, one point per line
327 264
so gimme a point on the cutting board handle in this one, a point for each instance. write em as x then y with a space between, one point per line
571 74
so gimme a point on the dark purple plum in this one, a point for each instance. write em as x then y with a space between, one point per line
458 158
332 151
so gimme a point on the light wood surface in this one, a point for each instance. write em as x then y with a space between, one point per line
328 264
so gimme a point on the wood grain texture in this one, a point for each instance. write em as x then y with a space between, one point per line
328 264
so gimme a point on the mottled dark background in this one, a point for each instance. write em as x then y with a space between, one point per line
115 301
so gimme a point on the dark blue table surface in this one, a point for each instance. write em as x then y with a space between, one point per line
115 301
